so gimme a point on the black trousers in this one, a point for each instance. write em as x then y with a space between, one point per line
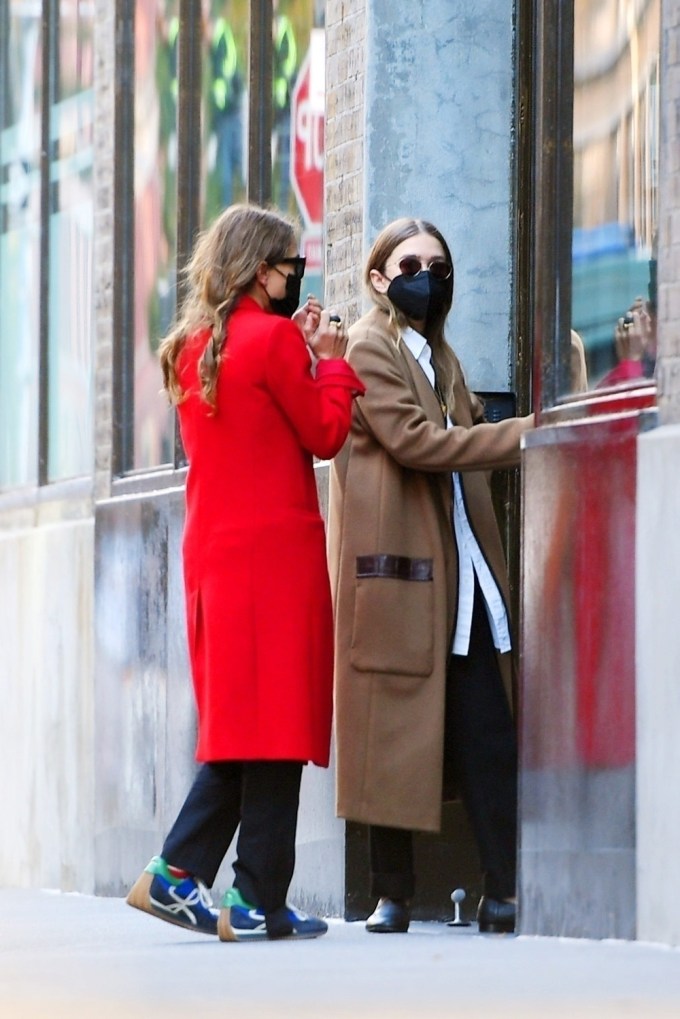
480 748
261 796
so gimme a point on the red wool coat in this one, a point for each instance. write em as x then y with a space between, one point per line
258 603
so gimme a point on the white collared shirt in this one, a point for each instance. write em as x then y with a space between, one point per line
471 559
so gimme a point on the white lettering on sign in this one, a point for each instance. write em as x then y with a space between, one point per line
309 129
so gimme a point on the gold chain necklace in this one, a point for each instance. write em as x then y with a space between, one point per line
440 397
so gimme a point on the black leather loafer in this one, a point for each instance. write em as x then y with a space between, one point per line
495 916
391 916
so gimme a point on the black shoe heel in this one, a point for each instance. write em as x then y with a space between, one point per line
495 916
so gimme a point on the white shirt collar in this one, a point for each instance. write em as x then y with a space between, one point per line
422 352
416 343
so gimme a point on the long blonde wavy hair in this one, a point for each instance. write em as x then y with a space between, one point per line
445 361
222 267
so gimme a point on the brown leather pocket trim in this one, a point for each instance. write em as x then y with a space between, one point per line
398 567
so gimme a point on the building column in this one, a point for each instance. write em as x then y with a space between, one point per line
658 552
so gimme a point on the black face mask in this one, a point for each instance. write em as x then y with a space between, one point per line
287 306
420 297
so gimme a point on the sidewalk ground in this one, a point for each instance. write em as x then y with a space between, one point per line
82 957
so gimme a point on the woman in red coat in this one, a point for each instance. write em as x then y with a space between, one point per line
258 395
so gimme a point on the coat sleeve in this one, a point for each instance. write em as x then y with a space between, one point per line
391 413
319 408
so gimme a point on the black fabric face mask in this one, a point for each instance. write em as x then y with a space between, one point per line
288 305
420 297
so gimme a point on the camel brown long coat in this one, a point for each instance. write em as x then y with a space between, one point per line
390 501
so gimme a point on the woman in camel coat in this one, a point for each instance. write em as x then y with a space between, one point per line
394 564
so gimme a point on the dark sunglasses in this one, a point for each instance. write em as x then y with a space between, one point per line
410 265
297 261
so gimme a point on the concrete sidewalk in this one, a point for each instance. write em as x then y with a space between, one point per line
80 956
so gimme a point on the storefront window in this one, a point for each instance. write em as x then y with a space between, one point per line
69 361
615 141
213 170
155 220
20 104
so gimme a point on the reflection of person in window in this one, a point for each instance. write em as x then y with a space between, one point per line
633 338
579 372
283 77
226 90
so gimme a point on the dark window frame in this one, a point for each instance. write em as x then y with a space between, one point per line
552 179
260 114
123 240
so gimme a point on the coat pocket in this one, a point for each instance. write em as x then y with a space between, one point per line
393 630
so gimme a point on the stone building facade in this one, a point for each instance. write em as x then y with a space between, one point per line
429 108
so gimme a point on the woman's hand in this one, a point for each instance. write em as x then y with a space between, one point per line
632 333
307 317
330 339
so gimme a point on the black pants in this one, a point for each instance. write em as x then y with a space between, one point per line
263 797
480 746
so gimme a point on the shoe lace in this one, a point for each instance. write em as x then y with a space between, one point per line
199 896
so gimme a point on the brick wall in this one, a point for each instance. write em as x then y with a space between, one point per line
104 87
345 33
668 367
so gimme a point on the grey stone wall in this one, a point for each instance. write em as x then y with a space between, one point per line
439 115
46 723
143 702
419 121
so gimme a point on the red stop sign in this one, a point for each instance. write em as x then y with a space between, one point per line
307 128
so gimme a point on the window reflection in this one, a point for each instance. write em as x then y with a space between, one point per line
298 98
616 116
298 81
155 219
21 70
70 254
225 103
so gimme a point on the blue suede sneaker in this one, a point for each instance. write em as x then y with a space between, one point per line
239 921
182 901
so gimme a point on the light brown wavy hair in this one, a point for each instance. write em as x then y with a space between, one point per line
222 267
393 234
